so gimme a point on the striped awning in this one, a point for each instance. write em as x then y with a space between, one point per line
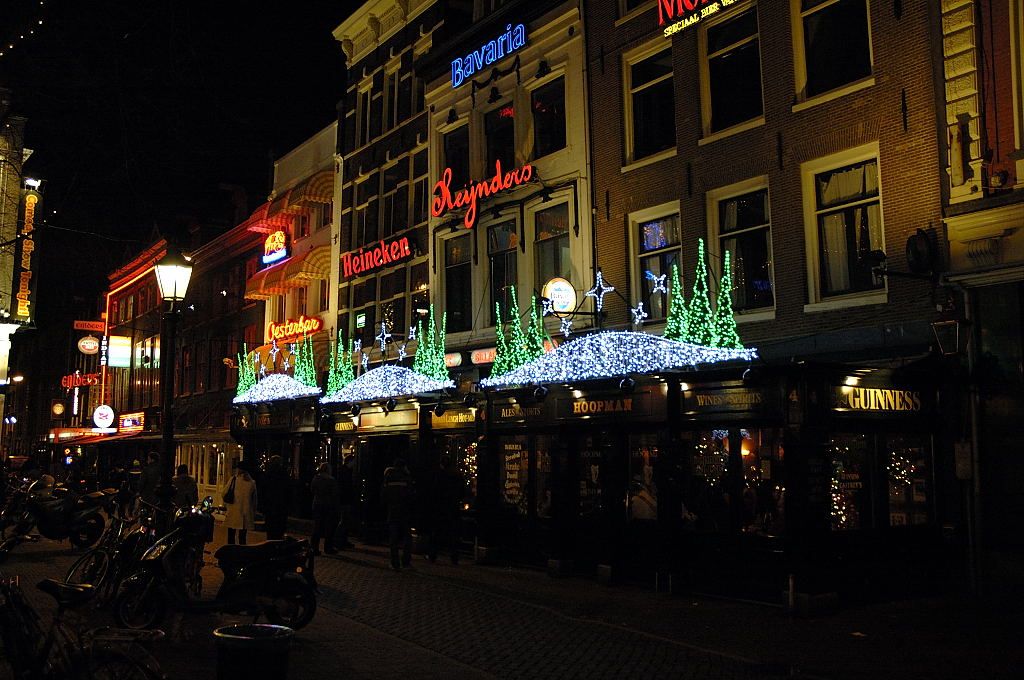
295 272
267 283
317 189
278 204
263 222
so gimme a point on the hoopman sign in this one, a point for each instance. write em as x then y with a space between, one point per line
686 13
445 200
294 329
366 260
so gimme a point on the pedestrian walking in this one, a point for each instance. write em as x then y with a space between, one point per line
326 508
447 490
347 495
240 498
149 479
186 491
398 494
276 495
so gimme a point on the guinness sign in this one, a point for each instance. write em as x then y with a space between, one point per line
876 399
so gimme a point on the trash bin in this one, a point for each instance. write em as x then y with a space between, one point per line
252 650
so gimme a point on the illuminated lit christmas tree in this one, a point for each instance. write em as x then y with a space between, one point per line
305 364
517 351
700 326
340 372
726 334
676 323
246 372
535 333
429 359
500 365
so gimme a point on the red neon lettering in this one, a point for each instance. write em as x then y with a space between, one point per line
294 328
444 200
378 256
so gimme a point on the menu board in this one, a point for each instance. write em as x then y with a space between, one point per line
514 472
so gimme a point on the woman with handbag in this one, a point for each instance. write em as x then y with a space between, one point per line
240 499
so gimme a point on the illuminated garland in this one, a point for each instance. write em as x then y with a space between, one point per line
615 353
385 382
275 387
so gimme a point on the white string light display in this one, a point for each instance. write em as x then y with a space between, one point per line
275 387
384 382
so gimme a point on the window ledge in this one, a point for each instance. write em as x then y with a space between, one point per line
859 300
729 132
831 95
754 317
634 14
650 160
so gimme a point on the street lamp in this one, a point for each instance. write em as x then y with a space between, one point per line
172 276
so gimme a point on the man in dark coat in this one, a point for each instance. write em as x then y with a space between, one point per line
326 507
276 497
186 491
398 494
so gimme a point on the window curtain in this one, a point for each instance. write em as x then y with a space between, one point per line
835 265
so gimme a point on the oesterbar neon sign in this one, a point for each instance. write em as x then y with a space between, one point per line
686 13
364 261
293 329
467 198
488 53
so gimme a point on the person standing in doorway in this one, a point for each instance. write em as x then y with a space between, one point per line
276 498
240 498
347 494
398 493
326 508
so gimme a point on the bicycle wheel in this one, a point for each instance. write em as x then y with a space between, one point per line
91 568
111 664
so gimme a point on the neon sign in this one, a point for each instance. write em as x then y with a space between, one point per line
275 248
494 50
77 379
131 422
24 283
293 329
467 198
686 13
364 261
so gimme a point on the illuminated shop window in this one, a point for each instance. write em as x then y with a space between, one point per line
364 311
500 137
849 220
644 452
650 105
744 231
732 72
548 107
551 246
458 283
836 45
418 285
908 470
502 251
456 155
659 249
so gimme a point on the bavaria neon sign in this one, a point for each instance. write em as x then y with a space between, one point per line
686 13
445 200
490 52
275 248
380 254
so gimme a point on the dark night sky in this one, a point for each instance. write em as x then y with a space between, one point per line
138 111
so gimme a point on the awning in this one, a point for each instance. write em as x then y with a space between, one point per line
267 283
263 222
278 205
317 189
294 272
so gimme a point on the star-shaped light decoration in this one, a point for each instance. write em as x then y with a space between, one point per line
659 282
566 326
383 337
638 314
599 291
274 349
401 352
547 307
365 360
412 333
263 371
286 365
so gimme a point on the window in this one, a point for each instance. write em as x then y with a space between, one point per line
456 155
650 106
552 244
458 283
658 245
732 78
300 301
391 94
906 461
627 6
836 45
548 106
366 214
848 220
302 225
418 276
394 198
280 308
363 117
500 137
744 231
421 193
502 244
325 290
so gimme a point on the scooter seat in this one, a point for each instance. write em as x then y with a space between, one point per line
66 594
246 554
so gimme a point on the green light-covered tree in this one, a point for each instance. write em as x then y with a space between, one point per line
500 365
429 359
340 372
676 326
534 333
420 361
699 319
305 363
246 372
726 334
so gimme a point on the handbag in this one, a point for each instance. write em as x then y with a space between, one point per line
229 495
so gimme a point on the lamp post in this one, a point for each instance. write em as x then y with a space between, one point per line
172 276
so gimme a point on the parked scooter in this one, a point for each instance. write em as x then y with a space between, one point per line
274 579
55 512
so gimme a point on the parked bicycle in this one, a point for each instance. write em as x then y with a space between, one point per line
63 652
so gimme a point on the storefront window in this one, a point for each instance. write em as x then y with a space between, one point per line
593 457
552 229
907 467
850 508
514 473
643 492
460 451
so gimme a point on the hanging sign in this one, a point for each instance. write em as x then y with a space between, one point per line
293 329
467 198
489 53
119 351
686 13
103 416
24 283
275 248
78 379
562 295
90 344
375 257
453 359
91 326
131 422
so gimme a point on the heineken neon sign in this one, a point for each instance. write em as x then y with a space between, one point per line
489 53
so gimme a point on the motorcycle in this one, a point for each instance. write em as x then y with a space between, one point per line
274 579
57 513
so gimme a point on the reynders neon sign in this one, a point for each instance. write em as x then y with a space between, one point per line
511 40
686 13
293 329
384 253
275 248
445 200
